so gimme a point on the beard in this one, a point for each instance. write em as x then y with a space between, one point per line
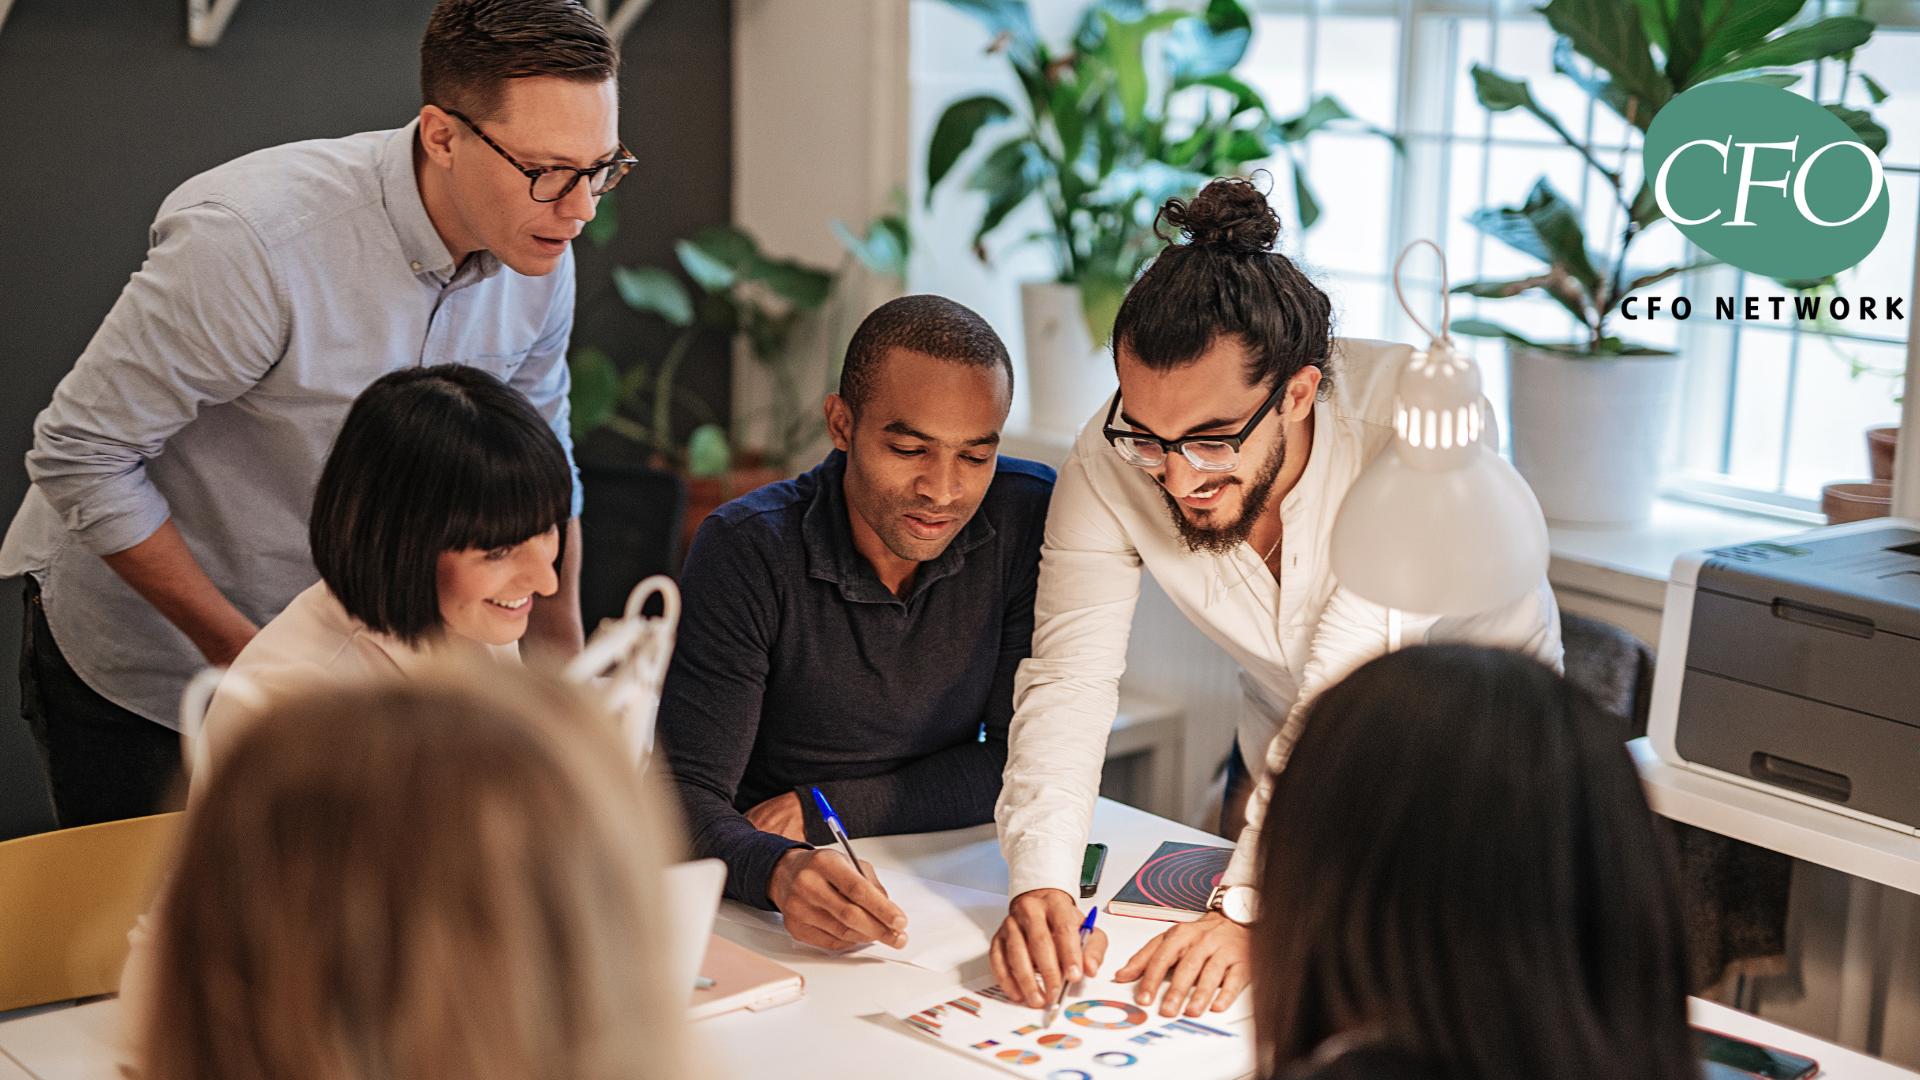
1222 539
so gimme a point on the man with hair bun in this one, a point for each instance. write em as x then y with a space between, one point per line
172 472
1220 465
858 628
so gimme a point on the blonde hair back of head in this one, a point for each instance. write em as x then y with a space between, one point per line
456 877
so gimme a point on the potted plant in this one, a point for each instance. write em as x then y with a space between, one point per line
770 305
1102 137
1589 417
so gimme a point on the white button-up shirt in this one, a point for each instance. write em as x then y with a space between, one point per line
1291 637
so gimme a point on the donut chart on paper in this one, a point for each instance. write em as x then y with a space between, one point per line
1181 879
1114 1059
1058 1041
1069 1074
1133 1016
1018 1056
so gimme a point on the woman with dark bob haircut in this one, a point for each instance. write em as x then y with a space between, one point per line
1466 884
438 518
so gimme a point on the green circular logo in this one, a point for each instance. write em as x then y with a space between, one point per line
1766 180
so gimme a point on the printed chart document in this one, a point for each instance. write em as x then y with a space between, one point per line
947 925
1100 1033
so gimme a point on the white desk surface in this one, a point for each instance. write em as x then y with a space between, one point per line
1779 823
839 1029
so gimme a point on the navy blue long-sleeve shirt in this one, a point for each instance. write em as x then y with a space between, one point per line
796 666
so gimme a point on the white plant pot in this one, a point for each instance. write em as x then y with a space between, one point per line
1069 375
1589 434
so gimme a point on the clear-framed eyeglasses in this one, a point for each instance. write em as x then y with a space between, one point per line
1207 453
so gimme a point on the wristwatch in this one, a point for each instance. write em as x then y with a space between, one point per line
1237 902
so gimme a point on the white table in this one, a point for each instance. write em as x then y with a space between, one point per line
839 1029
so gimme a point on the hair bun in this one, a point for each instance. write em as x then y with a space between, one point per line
1230 213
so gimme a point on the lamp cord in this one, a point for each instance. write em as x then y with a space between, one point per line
1446 298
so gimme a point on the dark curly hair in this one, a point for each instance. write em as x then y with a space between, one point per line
1225 279
472 47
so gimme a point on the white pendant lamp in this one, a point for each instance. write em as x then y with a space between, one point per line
1439 523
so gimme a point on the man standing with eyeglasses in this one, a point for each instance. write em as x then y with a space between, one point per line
174 469
1220 466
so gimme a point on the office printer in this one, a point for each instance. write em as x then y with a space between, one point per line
1794 665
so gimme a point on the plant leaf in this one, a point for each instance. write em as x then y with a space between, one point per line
1822 39
1010 18
1244 97
1210 45
1545 227
1730 26
1658 276
802 286
883 250
1483 328
707 451
1596 86
594 391
1009 174
1123 51
1780 79
706 271
1862 123
1611 34
1322 112
1500 94
1309 207
1874 88
1646 208
605 221
1499 289
955 132
649 288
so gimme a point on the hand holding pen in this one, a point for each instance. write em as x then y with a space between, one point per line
830 902
1086 930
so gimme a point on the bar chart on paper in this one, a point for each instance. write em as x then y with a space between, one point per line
1101 1033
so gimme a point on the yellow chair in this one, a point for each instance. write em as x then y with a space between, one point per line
67 900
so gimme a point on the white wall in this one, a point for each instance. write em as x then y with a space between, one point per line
820 132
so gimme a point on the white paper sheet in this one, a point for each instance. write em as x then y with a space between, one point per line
947 925
1100 1031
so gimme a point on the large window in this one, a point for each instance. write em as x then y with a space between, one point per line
1769 410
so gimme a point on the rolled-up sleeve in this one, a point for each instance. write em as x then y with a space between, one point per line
544 377
200 323
1067 692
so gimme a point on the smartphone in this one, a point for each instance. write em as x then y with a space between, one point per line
1751 1059
1090 868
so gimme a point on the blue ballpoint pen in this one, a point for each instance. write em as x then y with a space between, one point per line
1086 930
839 832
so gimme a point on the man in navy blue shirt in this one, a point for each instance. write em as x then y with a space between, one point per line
858 628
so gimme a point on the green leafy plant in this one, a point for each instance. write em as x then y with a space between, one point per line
1104 135
739 292
1642 53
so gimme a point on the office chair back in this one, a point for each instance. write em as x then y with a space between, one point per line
68 899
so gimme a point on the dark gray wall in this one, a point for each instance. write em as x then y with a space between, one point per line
104 108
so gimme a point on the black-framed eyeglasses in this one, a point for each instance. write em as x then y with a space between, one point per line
1207 453
550 183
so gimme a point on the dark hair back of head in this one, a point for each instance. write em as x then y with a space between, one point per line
928 324
430 460
472 47
1462 860
1225 280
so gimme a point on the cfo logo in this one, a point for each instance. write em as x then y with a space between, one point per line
1766 180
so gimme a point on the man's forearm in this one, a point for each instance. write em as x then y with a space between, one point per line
554 625
164 572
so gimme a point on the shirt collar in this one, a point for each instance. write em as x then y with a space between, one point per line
827 533
420 242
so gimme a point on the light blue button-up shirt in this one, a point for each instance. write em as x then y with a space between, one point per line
276 288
